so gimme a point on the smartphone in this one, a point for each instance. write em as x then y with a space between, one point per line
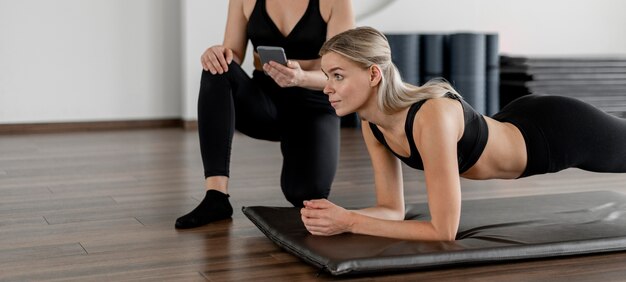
272 53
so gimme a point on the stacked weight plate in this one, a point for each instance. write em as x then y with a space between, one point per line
598 81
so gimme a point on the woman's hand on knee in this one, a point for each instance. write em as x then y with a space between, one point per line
322 217
216 59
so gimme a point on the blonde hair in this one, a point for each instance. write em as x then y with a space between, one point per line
366 47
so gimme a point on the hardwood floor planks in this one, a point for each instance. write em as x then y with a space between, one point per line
101 206
12 221
41 252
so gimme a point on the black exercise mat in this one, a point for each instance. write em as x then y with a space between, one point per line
491 230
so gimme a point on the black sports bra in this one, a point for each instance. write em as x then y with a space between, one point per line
302 43
469 147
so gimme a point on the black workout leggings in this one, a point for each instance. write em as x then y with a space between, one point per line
301 119
562 132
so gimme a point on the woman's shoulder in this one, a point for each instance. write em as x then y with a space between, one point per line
422 111
440 105
246 6
334 3
243 3
436 112
328 6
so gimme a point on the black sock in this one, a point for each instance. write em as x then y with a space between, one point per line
215 206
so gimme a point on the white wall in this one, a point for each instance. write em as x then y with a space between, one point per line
204 22
89 60
77 60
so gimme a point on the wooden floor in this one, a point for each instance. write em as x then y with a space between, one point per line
101 206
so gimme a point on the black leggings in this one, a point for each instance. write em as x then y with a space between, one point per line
301 119
562 132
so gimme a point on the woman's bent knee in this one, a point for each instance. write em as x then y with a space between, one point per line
297 194
234 70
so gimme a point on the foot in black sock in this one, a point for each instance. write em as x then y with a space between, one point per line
215 206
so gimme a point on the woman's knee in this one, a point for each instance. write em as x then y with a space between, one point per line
296 194
233 74
220 86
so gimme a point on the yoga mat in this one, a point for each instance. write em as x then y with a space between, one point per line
490 231
468 53
432 57
405 55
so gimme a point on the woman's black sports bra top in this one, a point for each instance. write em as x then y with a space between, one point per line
302 43
469 147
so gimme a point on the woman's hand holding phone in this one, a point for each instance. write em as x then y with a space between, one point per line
285 76
216 59
285 72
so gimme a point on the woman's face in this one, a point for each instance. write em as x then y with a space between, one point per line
348 85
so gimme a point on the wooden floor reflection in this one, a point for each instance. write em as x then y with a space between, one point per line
102 205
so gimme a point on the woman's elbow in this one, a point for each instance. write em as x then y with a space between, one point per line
446 233
448 237
391 212
398 214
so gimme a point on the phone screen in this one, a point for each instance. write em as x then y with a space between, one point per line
272 53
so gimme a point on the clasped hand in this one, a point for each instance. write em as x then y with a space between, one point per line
321 217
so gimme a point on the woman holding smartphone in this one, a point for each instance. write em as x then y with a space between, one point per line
281 103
